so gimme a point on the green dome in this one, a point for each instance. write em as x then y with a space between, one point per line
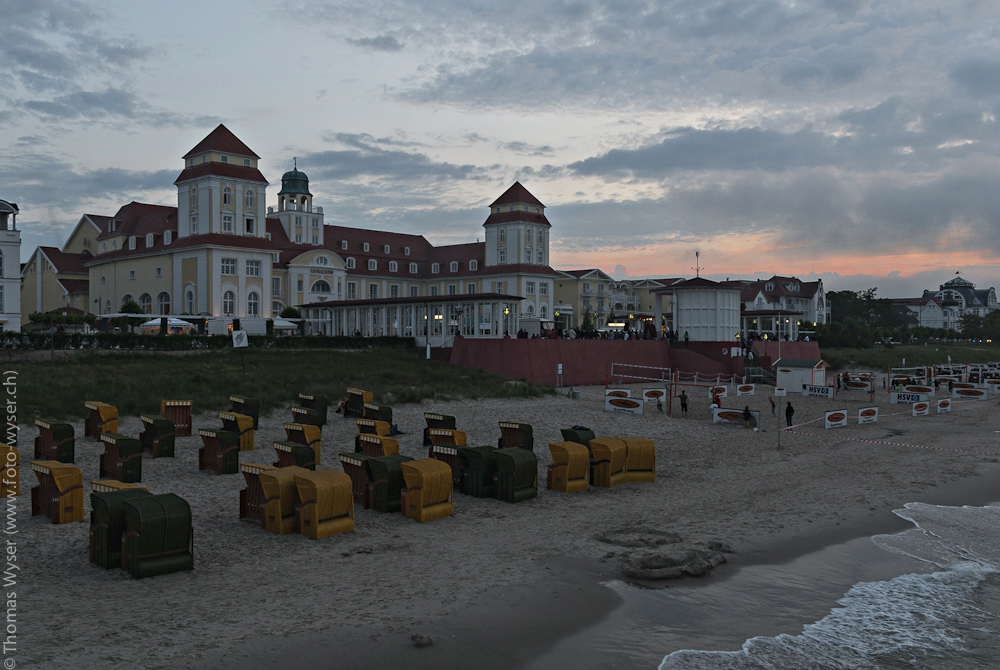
294 182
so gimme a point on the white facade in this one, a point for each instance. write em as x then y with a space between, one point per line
10 267
709 313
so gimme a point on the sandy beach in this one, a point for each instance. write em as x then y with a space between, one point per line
504 582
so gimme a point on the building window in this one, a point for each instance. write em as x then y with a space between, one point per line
298 220
224 158
501 257
321 260
343 244
543 288
529 288
103 280
541 258
350 263
163 303
413 268
228 303
393 266
470 288
372 264
229 266
406 251
372 291
227 196
131 274
253 304
473 266
394 290
127 298
194 197
247 162
298 286
543 311
249 222
321 286
414 291
168 237
385 248
158 272
531 309
434 290
146 303
189 300
366 246
194 224
352 290
435 268
298 238
503 236
452 289
275 285
276 308
511 208
315 222
315 239
527 255
769 287
454 266
227 223
249 198
253 268
149 240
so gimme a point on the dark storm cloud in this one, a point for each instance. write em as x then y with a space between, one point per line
366 158
978 76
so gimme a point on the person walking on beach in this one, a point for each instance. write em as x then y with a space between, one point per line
772 406
684 402
687 338
789 412
746 416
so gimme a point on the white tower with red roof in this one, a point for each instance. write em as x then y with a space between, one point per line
517 232
10 267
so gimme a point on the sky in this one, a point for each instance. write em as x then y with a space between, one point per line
849 140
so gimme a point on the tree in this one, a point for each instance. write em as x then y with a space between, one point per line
130 307
290 313
588 320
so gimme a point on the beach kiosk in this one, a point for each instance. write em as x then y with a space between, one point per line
793 373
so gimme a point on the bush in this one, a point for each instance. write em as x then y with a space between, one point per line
43 340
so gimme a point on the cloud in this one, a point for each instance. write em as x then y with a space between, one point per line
978 76
365 158
380 43
525 149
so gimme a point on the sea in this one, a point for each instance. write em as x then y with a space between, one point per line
925 598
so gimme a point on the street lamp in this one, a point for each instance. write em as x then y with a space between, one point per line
506 313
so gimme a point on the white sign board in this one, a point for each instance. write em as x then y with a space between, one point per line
900 398
721 391
818 391
918 388
920 409
993 384
720 415
618 393
240 339
867 415
622 404
969 394
858 385
745 389
654 395
943 405
836 418
780 392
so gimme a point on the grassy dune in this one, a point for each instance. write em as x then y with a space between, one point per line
880 358
136 382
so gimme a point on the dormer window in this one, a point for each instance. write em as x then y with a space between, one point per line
413 268
190 162
393 266
365 246
537 210
406 251
435 268
350 263
769 287
204 158
224 158
473 265
168 237
386 248
372 264
343 244
454 266
131 242
149 239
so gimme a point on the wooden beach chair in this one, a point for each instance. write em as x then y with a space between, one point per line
59 494
122 458
111 485
280 497
157 436
640 459
477 473
246 406
428 492
607 461
177 412
516 475
316 406
291 453
107 524
356 399
158 537
242 425
516 436
370 427
101 418
55 442
436 421
570 467
252 497
326 506
378 445
221 451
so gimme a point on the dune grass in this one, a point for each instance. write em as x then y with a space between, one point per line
135 382
880 358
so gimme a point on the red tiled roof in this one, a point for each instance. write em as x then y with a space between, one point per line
221 170
512 217
516 194
139 218
75 285
461 297
66 309
222 140
63 262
